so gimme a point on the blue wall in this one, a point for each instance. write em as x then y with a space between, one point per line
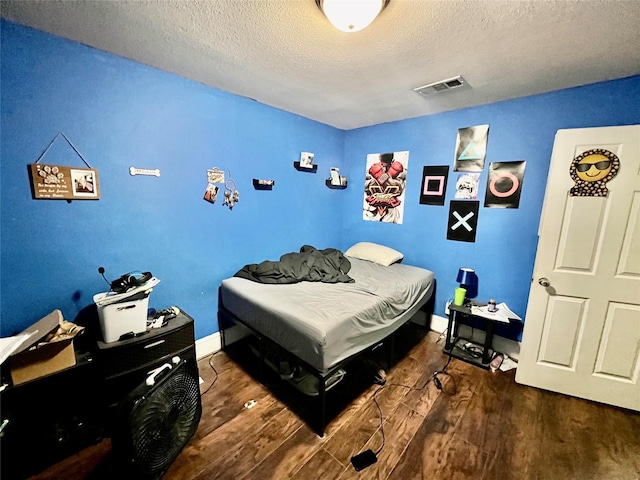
120 114
523 129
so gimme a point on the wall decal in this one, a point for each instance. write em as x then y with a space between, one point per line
504 184
463 220
144 171
591 170
471 148
384 187
434 185
467 186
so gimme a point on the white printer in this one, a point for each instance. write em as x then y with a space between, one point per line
124 313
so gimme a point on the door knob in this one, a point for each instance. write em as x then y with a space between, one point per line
544 281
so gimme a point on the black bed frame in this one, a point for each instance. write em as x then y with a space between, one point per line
226 319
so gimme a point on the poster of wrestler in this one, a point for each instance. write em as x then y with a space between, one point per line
384 186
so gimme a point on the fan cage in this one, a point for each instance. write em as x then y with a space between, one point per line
158 421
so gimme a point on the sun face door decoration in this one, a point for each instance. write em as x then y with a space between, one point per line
384 187
591 170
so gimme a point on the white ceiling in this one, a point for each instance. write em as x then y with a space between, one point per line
284 53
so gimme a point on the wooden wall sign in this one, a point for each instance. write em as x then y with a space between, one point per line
55 182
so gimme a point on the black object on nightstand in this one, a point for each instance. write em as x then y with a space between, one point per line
126 363
457 346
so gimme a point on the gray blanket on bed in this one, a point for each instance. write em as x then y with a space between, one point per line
309 265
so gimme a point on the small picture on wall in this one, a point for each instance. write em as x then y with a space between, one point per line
471 148
434 185
83 183
384 187
306 160
467 186
215 175
504 184
211 193
463 220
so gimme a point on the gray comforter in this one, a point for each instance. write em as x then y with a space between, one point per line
309 265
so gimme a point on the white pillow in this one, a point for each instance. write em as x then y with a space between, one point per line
374 253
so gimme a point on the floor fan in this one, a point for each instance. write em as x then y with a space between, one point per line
157 419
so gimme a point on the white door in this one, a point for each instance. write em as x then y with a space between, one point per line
582 326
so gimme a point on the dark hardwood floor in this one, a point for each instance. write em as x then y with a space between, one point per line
482 425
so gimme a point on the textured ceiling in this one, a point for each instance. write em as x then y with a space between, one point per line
284 53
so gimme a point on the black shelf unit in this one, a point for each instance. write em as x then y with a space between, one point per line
337 187
300 168
263 186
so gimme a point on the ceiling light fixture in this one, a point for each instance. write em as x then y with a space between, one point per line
351 15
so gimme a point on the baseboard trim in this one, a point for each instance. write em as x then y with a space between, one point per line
213 343
208 345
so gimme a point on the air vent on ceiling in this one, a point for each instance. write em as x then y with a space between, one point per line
451 83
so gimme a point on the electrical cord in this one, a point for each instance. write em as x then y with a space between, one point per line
437 382
214 371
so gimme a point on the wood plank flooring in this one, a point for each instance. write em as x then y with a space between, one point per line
482 425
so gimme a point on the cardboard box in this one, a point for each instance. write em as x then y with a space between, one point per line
33 359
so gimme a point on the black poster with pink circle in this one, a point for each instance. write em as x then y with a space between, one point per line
504 184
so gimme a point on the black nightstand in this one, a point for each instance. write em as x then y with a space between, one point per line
455 345
49 418
125 364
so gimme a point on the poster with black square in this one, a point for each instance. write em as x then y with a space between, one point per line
463 220
434 185
504 184
471 149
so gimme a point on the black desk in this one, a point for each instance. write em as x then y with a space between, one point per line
49 418
52 417
454 344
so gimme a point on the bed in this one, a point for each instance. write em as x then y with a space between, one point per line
325 325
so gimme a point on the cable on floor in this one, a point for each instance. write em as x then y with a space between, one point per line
368 457
214 371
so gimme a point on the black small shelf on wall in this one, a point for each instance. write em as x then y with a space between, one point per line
328 183
263 184
300 168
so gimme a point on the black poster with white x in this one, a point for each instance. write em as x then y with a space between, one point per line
463 220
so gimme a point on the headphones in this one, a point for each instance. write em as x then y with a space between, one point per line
130 280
